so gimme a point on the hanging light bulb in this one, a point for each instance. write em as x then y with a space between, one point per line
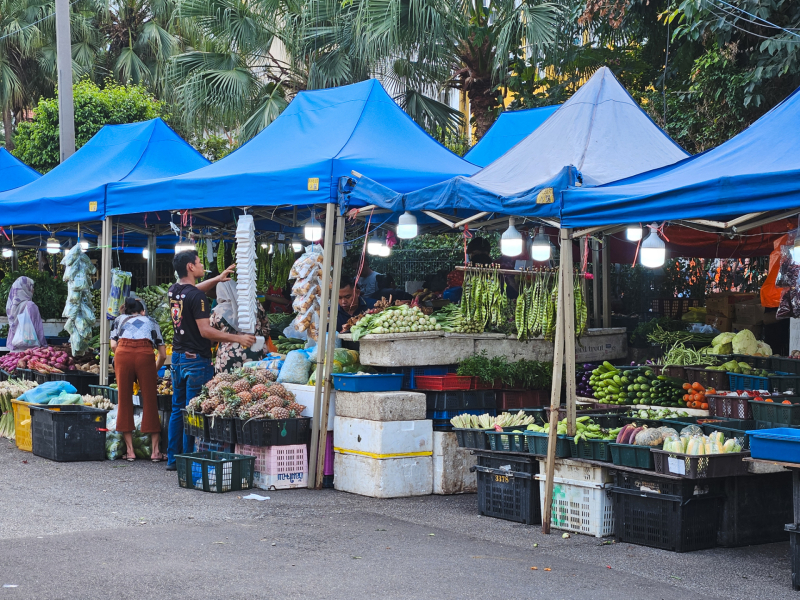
84 245
145 253
384 251
511 241
633 233
271 249
541 248
297 245
265 245
407 226
53 247
8 252
653 250
375 245
184 247
312 229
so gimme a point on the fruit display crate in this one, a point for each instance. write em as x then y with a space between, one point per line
671 371
4 375
472 438
215 471
22 422
461 400
755 510
579 506
706 466
74 433
273 432
708 378
443 382
675 515
506 487
781 444
539 442
628 455
278 467
590 449
731 407
410 374
441 418
371 382
775 412
506 441
785 364
80 379
606 421
105 391
754 382
221 430
195 425
735 428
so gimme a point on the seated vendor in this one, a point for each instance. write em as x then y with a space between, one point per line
351 302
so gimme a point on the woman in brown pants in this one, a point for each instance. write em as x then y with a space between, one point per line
134 337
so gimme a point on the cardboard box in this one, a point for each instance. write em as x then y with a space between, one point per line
722 324
724 305
754 327
749 313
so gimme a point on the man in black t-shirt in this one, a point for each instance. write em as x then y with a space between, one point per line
191 346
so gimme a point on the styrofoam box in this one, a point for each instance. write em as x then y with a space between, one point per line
391 478
579 506
383 439
304 394
280 481
574 470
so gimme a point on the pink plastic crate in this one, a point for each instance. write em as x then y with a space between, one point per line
278 467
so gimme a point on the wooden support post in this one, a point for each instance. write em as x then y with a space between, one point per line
606 283
569 328
151 259
555 403
105 286
595 283
327 255
326 398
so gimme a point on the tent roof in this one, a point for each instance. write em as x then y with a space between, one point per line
298 159
755 171
75 190
13 172
510 128
598 135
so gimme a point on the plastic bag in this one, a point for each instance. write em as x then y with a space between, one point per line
296 368
66 398
770 294
25 335
43 393
120 289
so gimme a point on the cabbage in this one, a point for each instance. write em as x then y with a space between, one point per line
723 338
764 349
726 348
745 342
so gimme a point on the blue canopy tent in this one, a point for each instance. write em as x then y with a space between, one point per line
75 190
298 160
510 128
13 172
756 171
597 136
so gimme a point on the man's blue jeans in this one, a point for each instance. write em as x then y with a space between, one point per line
189 375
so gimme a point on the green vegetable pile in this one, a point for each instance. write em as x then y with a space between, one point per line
656 414
484 300
156 300
487 421
286 345
10 390
585 429
524 374
395 319
639 385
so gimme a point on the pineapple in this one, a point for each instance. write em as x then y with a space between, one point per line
245 398
263 376
259 390
274 402
296 408
242 385
276 389
280 413
227 377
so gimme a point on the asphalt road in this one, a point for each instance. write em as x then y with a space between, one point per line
120 530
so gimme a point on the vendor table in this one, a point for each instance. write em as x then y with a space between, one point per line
429 348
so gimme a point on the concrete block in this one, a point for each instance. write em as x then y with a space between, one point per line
383 439
381 406
451 466
391 478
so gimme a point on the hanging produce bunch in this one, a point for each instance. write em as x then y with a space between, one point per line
581 310
79 310
156 301
262 268
221 256
307 275
280 265
535 313
483 300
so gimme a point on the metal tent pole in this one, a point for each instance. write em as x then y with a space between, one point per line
595 283
151 259
606 284
105 286
66 109
331 339
327 255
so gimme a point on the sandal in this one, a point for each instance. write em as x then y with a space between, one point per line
161 457
129 458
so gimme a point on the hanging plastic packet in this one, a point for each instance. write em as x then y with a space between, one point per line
120 289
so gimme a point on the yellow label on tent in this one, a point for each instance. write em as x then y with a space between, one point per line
313 184
92 206
545 196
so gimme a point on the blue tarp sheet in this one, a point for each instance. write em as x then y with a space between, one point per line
598 136
13 172
510 129
298 159
75 190
756 171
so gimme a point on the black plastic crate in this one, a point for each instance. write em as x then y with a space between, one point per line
327 482
472 438
164 402
706 466
785 364
480 400
74 433
793 529
735 428
683 521
195 425
273 432
756 509
215 471
507 488
41 378
606 421
222 430
25 374
163 419
4 375
441 418
80 379
107 392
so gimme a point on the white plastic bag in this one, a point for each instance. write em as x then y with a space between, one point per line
25 335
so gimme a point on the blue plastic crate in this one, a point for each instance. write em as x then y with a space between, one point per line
781 444
441 418
750 382
375 382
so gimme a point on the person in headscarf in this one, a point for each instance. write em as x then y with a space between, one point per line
22 312
225 317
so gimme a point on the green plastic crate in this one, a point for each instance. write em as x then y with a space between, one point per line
538 442
215 471
505 441
775 412
590 449
628 455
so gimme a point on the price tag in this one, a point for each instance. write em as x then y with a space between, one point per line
676 465
137 401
